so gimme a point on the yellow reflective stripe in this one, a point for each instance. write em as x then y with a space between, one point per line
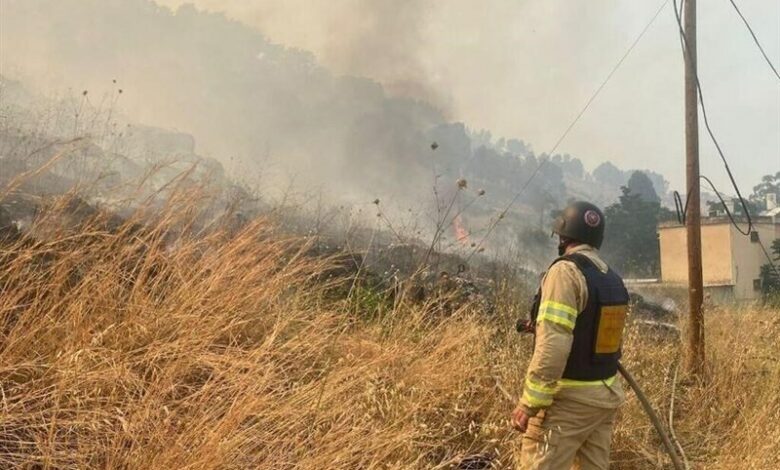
587 383
538 394
560 321
559 313
535 399
540 387
559 306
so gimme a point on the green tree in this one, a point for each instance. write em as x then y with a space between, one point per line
631 239
770 280
639 183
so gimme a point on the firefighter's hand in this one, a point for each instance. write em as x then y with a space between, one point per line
525 326
520 420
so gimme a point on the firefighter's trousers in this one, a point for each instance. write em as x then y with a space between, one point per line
568 435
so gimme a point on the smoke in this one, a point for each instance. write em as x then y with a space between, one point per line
379 39
269 113
521 69
526 68
382 39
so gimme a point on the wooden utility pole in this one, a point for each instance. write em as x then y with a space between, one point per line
695 352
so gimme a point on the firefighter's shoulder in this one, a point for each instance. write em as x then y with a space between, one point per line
563 270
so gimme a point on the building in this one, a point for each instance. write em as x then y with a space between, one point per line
731 261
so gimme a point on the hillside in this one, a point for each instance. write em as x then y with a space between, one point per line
271 114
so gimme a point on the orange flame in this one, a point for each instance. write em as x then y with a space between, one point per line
461 234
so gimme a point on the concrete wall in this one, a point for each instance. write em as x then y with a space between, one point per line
729 258
748 259
716 255
674 266
719 294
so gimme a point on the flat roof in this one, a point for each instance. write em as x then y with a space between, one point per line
722 220
706 284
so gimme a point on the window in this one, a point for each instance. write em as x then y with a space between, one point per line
754 236
756 284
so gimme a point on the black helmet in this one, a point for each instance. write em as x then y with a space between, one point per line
581 221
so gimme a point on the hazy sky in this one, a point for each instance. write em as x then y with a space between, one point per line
524 68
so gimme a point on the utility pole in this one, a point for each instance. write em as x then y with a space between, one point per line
695 352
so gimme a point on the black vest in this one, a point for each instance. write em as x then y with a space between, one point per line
598 332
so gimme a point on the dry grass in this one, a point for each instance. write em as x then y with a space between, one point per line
151 347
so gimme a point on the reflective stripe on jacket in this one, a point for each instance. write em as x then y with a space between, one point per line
564 294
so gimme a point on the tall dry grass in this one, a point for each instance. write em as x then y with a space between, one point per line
158 343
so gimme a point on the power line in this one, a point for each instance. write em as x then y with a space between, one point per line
609 76
755 39
734 223
536 171
687 52
682 210
728 212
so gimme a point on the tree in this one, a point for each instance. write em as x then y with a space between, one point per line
770 280
770 184
571 166
609 174
639 183
546 191
518 147
536 245
756 202
659 182
631 239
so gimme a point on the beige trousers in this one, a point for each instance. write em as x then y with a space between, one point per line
568 435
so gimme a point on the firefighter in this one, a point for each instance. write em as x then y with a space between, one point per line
571 392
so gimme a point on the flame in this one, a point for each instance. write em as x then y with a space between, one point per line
461 234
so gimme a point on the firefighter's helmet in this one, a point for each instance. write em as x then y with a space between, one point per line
581 221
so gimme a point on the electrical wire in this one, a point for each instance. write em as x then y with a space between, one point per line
682 210
726 207
609 76
563 136
687 53
755 39
736 226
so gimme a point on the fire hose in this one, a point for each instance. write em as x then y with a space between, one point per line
678 465
527 327
648 407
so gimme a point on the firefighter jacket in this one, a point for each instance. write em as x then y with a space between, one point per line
564 296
